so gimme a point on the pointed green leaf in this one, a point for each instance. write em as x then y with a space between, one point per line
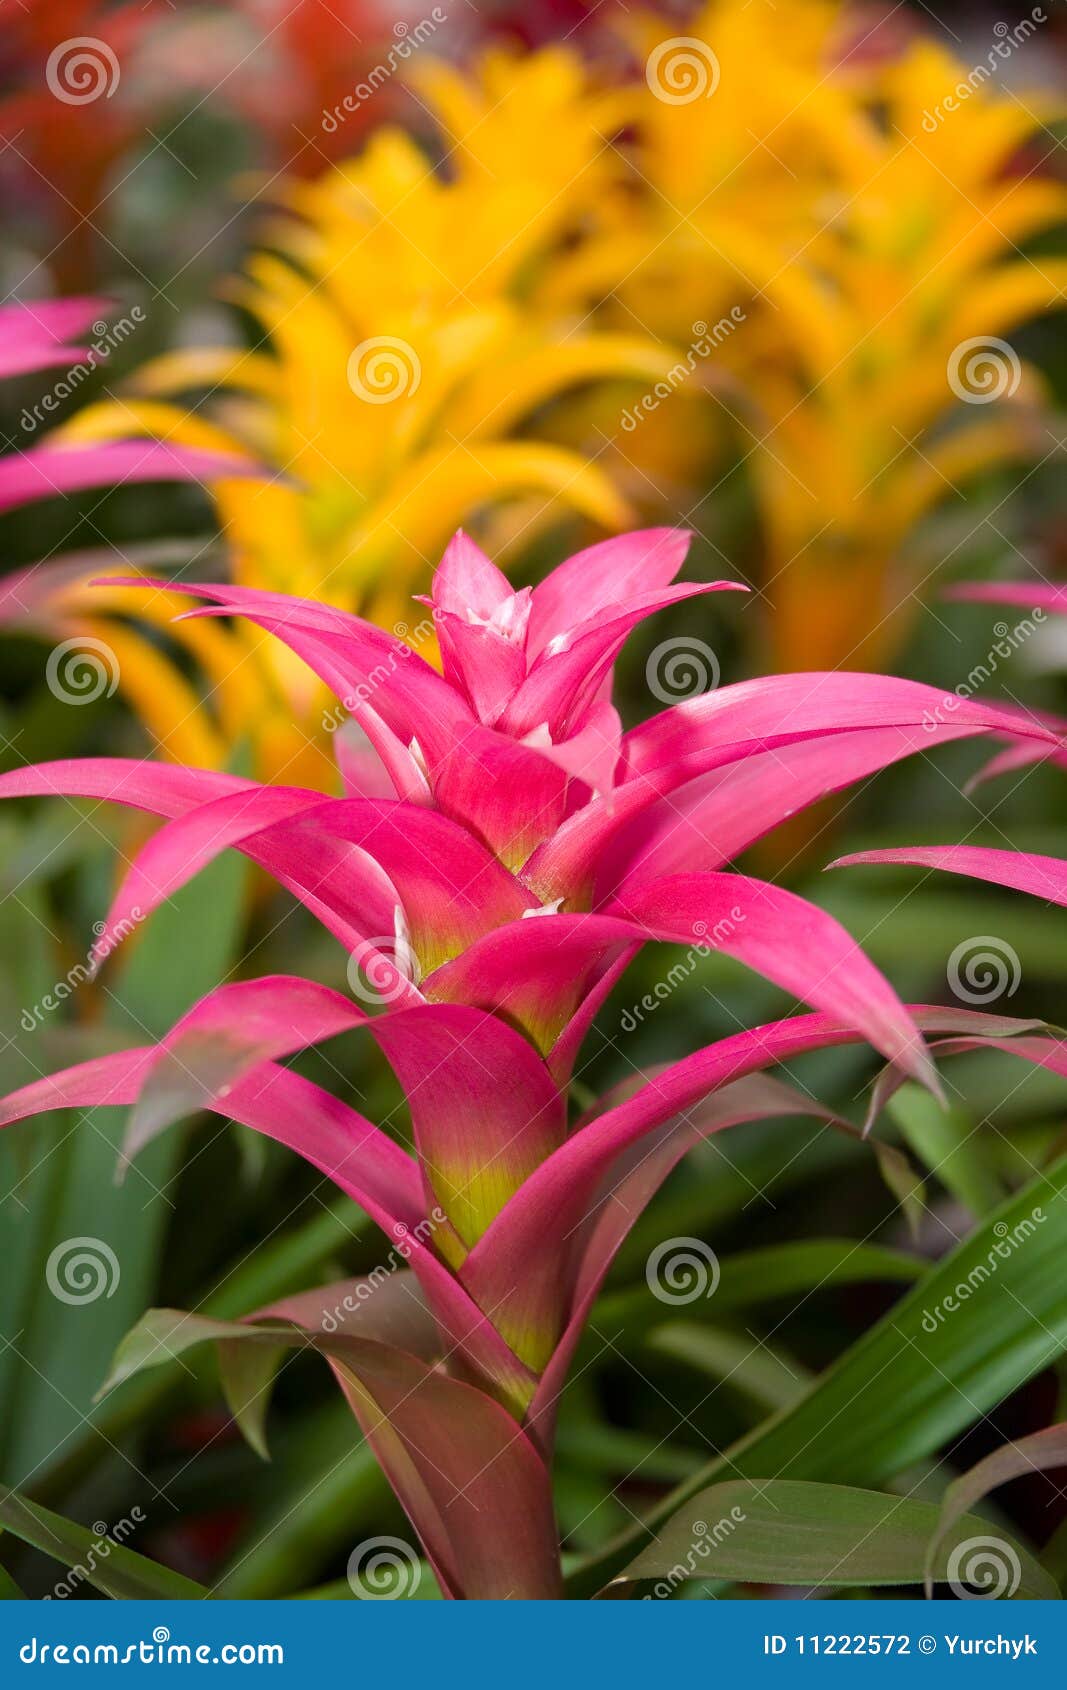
787 1531
108 1566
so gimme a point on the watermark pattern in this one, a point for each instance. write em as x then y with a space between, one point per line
704 342
81 971
705 1539
682 1270
384 368
82 1270
983 968
412 639
107 337
983 369
381 970
1008 39
408 38
156 1651
985 1569
383 1569
1009 1239
334 1319
681 667
81 670
679 972
106 1539
682 70
82 69
1008 641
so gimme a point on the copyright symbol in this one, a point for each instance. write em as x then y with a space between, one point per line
927 1645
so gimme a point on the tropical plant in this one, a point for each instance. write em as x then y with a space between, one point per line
491 871
403 361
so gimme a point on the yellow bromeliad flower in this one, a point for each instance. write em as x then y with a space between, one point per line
870 233
782 233
900 387
405 360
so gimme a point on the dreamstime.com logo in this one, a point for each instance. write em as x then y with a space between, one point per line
1009 1239
1007 39
107 338
984 1569
984 368
700 347
682 70
705 942
81 70
82 1270
382 969
384 1569
408 38
158 1650
81 670
76 976
681 667
384 368
983 969
682 1270
406 1240
1007 641
705 1539
106 1538
411 639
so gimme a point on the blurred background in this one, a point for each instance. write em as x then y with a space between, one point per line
790 275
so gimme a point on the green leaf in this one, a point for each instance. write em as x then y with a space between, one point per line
279 1266
108 1566
758 1371
924 1372
754 1277
66 1341
9 1590
1036 1453
950 1145
785 1531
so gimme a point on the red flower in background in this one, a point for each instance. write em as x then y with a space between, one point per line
140 66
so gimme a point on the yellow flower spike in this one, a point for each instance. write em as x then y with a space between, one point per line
408 360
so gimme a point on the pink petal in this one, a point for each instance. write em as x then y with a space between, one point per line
105 1081
226 1035
739 722
470 1479
46 472
488 667
522 1267
633 1183
484 1110
452 887
536 971
466 580
564 679
779 709
348 1149
1023 871
710 820
32 333
163 789
1029 595
600 577
363 774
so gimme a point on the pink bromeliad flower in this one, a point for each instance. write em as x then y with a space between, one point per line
492 868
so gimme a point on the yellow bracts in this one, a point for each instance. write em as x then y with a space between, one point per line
406 359
787 238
